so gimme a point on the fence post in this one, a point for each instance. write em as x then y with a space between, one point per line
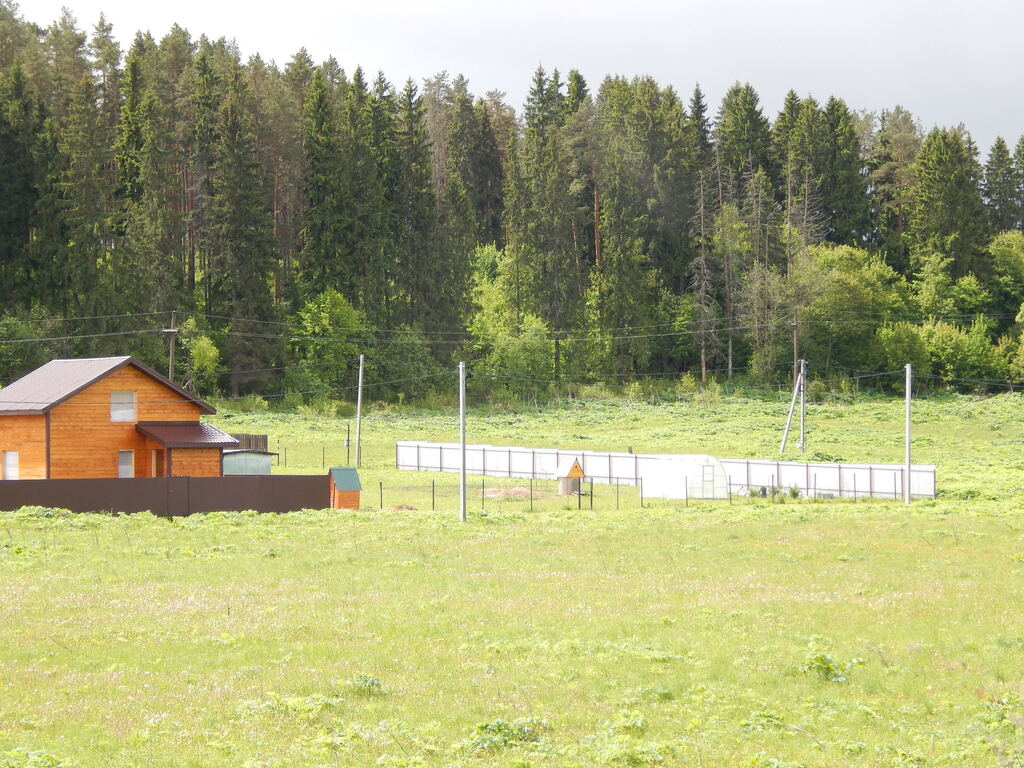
433 496
482 490
531 493
285 449
382 494
640 482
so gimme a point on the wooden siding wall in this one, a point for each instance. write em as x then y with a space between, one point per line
27 436
344 499
84 441
196 462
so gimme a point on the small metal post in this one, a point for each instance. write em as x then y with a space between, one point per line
640 482
482 490
579 495
382 494
348 444
531 494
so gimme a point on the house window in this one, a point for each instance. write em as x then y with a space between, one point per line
122 406
10 468
126 463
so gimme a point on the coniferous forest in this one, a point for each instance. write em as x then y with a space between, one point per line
291 217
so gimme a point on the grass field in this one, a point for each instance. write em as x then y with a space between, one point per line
756 634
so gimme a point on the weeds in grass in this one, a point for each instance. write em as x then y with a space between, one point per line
495 735
825 667
366 685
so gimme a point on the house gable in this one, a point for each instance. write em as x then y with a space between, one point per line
85 442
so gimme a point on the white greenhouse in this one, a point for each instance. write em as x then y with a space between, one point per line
686 476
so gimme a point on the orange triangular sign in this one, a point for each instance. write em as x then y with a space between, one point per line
575 470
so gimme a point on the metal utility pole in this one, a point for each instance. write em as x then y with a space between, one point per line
792 407
359 414
172 334
462 442
803 405
906 482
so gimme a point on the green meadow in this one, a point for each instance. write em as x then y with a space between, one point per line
759 633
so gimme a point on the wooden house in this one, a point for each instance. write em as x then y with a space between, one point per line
105 417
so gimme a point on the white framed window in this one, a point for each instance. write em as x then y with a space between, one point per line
10 468
126 463
122 406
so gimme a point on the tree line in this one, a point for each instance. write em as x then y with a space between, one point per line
294 216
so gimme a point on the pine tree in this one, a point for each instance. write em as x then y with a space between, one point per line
891 177
1002 189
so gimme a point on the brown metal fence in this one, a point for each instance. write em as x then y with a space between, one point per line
171 496
251 442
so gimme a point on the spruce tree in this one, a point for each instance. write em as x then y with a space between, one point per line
241 240
1001 188
947 213
741 131
321 264
843 187
21 126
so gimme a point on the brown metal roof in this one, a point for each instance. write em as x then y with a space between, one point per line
185 434
56 381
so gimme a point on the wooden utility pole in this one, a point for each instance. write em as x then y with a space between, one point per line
172 334
803 405
359 414
906 482
792 407
462 442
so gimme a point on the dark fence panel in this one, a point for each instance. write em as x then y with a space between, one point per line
171 496
264 493
251 442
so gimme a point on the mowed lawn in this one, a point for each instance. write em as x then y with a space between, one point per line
753 634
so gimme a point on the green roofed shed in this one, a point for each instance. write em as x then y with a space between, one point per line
345 488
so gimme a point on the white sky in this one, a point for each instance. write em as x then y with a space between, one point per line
948 61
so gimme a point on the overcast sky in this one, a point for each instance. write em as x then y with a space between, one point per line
948 61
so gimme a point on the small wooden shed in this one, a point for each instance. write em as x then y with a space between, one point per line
345 488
